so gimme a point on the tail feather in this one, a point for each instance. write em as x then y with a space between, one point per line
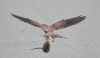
58 36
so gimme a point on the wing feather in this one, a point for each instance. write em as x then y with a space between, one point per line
29 21
67 22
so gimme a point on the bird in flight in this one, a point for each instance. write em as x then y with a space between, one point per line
49 30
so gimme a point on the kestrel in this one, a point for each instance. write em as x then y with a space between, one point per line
49 30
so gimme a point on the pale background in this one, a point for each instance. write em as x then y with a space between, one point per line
17 38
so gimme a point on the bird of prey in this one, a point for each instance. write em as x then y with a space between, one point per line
49 30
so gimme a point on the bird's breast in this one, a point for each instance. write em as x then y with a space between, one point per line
49 33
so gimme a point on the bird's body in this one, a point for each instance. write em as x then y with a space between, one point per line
49 30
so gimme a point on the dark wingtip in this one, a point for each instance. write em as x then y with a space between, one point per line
13 14
16 16
83 17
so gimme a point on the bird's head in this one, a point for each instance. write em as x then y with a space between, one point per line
45 28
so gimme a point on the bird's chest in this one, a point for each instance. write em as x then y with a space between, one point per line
49 33
48 30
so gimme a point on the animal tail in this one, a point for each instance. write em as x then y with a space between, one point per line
36 48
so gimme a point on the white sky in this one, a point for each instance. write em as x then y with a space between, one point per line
17 38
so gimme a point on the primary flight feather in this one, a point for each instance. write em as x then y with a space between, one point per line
32 22
67 22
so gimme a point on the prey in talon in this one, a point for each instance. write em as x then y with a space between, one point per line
45 48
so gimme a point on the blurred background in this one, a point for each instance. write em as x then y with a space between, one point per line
17 37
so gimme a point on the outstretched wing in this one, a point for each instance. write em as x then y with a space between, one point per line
67 22
32 22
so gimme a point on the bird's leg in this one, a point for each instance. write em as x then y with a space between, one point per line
46 37
53 40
